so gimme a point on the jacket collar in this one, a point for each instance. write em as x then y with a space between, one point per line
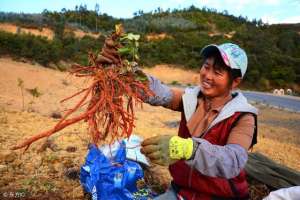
238 103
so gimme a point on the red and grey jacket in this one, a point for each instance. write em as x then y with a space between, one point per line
215 170
189 182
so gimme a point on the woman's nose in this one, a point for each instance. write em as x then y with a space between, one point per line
208 74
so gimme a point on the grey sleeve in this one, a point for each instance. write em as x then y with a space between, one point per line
218 161
163 94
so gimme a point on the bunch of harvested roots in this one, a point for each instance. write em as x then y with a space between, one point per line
114 91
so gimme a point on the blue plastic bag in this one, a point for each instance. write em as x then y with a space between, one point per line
113 179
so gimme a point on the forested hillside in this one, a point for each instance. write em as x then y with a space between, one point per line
170 36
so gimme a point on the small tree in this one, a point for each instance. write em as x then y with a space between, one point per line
21 86
35 93
97 7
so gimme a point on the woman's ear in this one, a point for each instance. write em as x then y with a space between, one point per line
236 83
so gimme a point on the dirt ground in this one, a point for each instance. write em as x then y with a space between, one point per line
45 175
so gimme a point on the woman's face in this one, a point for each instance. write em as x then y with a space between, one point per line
214 83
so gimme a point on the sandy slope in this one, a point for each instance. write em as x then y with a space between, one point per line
45 32
53 86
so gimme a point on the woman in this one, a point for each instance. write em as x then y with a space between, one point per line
217 128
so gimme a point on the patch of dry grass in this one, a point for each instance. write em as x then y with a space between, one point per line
278 136
39 173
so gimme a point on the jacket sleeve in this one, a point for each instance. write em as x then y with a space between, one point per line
164 95
218 161
242 133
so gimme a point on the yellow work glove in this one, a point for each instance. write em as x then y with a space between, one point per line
167 149
180 148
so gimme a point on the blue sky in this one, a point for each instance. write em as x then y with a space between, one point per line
270 11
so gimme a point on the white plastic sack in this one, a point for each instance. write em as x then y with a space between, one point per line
291 193
133 149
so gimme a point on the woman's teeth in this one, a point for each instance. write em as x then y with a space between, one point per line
206 84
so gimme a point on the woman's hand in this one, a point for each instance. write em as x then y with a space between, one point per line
157 149
167 149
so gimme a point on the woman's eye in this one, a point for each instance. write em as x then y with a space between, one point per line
219 73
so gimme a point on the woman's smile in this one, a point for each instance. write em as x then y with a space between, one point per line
206 84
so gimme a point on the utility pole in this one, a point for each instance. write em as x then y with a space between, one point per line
97 7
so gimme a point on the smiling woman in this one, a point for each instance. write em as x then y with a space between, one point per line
218 126
217 78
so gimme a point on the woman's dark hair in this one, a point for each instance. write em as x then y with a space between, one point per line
220 65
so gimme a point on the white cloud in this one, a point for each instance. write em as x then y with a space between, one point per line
238 4
222 4
271 2
293 19
211 4
177 1
270 19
